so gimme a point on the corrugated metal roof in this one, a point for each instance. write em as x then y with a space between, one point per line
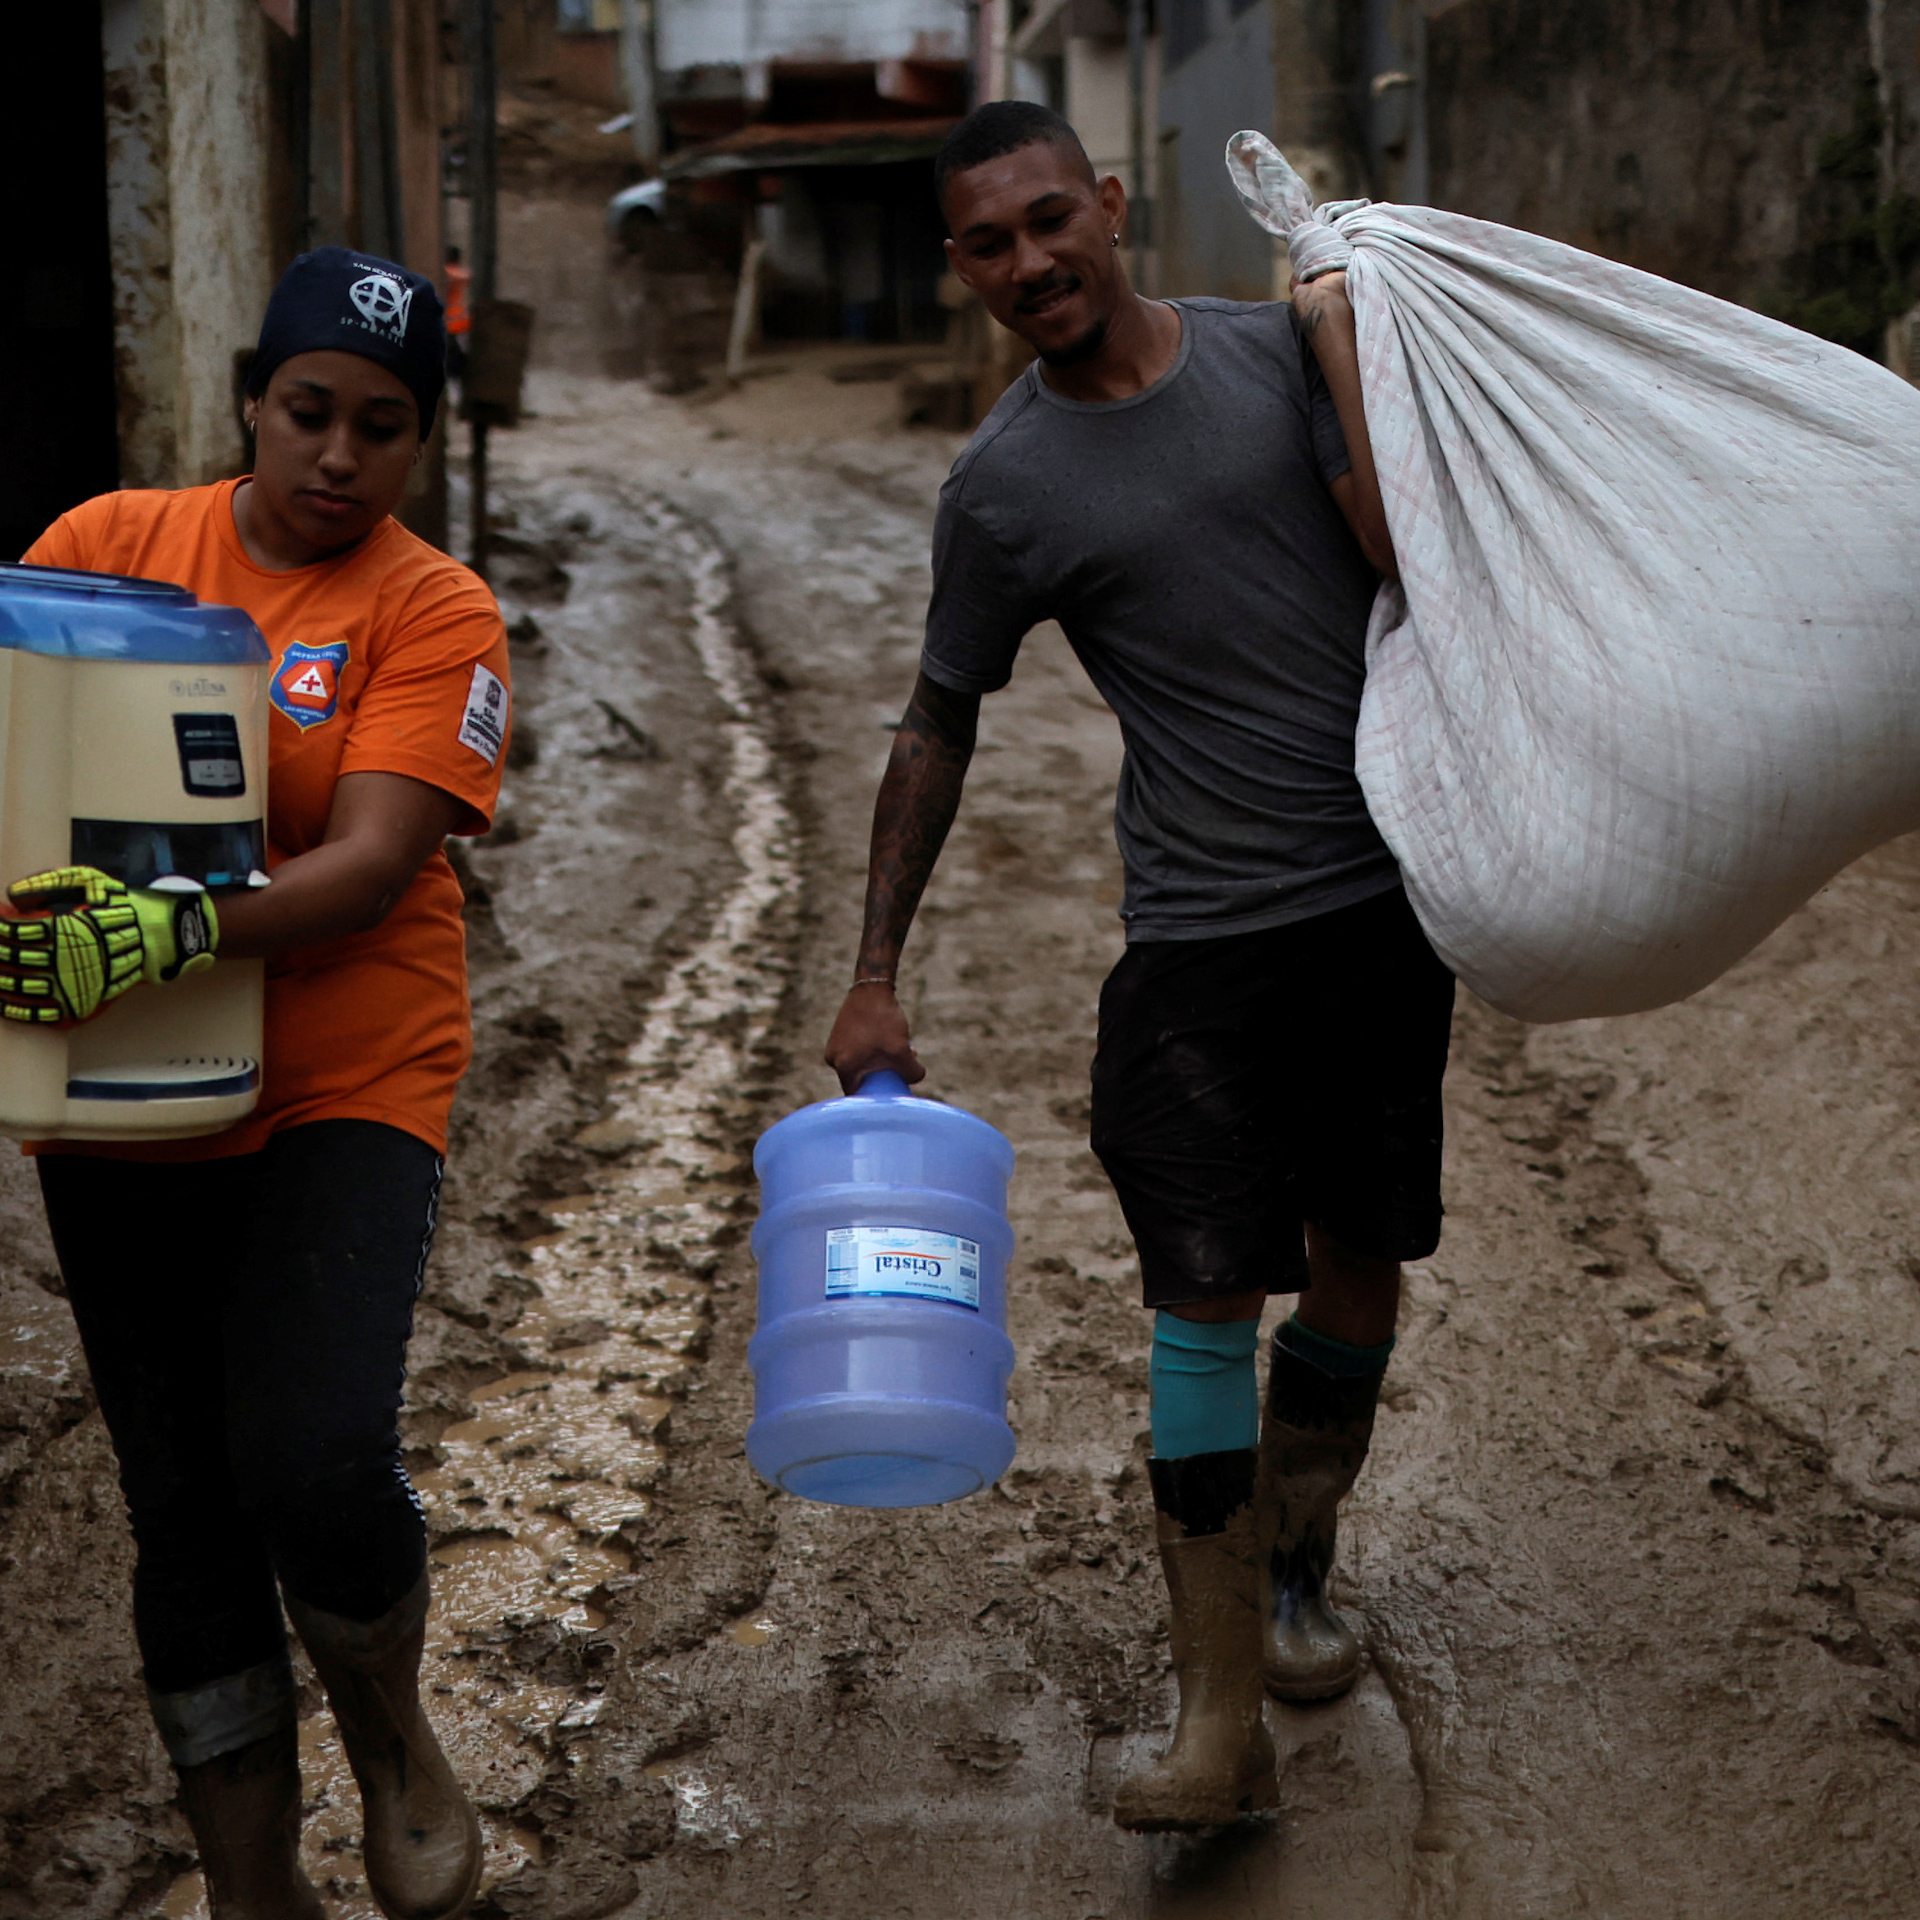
830 143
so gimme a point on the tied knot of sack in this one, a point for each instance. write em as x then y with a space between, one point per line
1279 200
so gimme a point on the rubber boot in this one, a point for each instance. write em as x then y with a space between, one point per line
421 1836
236 1750
1220 1763
1313 1440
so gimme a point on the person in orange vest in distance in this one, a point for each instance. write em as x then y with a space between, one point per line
459 320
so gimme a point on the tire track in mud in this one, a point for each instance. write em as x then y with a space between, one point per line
582 1445
533 1504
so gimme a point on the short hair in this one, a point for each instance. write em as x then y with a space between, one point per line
1001 127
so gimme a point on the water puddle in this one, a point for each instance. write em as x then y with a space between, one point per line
527 1503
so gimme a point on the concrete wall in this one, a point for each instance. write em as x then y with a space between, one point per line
1098 98
1071 55
201 216
187 187
1894 33
1696 138
140 228
1224 82
217 90
1765 150
586 67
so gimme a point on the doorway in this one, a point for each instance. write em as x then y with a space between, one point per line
56 330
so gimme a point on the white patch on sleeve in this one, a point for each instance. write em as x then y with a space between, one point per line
484 728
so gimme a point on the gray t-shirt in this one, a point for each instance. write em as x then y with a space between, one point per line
1186 541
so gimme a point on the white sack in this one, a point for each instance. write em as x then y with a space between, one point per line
1655 673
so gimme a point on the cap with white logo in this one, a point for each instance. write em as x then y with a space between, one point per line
338 300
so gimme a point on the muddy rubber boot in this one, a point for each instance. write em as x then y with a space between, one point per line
1220 1762
236 1751
1313 1439
421 1834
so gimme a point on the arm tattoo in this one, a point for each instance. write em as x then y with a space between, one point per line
918 800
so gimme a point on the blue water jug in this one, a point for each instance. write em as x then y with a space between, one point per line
881 1361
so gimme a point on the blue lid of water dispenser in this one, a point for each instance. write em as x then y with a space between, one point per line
104 616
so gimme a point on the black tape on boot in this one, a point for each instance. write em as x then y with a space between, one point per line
1300 1395
1201 1492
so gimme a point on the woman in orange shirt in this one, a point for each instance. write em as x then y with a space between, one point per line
245 1300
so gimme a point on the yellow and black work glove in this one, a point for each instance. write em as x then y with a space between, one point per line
90 937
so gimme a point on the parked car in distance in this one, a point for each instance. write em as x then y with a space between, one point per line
634 210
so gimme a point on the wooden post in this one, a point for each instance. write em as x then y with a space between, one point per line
477 528
1140 232
326 186
637 75
482 198
746 301
379 224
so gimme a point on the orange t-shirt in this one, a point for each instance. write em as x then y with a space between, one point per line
389 659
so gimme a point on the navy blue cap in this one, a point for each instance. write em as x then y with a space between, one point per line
335 300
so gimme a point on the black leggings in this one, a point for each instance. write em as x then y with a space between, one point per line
246 1323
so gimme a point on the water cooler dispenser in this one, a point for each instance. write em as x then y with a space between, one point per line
133 738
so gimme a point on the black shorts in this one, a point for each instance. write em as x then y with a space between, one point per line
1245 1085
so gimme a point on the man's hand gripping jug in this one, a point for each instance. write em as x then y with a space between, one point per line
881 1361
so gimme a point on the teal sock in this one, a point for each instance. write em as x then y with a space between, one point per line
1205 1397
1335 1358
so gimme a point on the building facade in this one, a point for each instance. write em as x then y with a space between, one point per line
1765 150
206 143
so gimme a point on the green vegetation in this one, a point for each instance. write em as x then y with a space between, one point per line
1857 273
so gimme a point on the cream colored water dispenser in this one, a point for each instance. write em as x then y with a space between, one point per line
133 738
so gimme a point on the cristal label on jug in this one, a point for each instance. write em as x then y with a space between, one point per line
903 1261
881 1358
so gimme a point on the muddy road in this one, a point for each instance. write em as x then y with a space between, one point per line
1637 1554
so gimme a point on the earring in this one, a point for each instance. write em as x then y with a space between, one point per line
1116 239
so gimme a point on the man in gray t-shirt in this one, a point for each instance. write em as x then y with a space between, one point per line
1186 540
1188 488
